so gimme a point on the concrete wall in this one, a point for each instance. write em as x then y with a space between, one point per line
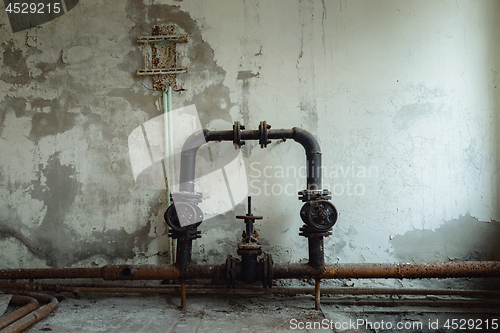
402 95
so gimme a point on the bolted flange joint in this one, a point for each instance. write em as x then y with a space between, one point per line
237 135
264 134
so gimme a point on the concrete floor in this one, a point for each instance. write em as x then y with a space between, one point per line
270 313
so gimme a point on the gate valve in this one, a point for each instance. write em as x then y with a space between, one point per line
249 235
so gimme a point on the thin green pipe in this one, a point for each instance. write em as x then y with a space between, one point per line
169 158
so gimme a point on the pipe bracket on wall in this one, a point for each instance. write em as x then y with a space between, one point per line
160 56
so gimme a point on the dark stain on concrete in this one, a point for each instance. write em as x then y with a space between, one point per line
245 75
61 189
11 104
14 59
208 107
339 242
307 79
56 242
96 119
57 120
212 102
465 238
412 114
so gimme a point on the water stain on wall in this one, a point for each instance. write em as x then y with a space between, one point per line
78 95
54 241
11 104
465 238
78 104
55 119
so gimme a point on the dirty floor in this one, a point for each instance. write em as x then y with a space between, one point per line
137 313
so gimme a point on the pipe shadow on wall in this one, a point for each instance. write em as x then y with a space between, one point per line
495 109
493 63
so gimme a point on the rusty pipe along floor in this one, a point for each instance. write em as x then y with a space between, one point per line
262 313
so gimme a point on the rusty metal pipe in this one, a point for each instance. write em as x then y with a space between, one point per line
118 272
202 289
390 271
30 304
316 253
34 316
183 294
317 294
280 271
51 273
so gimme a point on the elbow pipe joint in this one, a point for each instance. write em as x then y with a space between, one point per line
307 140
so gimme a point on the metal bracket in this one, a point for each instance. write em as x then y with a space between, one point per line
160 56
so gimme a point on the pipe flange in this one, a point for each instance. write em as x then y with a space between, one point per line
308 231
250 250
188 234
264 134
229 260
249 246
265 271
270 267
193 197
237 134
313 195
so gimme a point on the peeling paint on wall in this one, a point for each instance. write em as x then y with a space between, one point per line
465 238
408 89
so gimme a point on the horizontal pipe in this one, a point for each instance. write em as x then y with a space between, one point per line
51 273
201 289
454 269
301 136
118 272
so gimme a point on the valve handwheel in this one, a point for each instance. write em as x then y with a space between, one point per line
322 214
319 214
190 215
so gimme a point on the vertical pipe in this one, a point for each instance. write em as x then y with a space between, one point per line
184 247
169 139
169 155
317 295
169 95
316 254
183 294
313 171
166 142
